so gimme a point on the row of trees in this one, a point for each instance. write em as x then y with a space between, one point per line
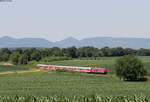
127 67
23 56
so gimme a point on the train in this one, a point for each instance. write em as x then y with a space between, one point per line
74 68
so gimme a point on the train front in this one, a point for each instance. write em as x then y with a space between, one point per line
99 70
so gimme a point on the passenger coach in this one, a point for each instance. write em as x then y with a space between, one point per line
73 68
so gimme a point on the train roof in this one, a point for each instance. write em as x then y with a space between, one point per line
65 66
70 66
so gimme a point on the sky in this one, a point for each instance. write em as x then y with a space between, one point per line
58 19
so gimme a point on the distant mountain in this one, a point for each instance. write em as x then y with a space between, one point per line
9 42
99 42
67 42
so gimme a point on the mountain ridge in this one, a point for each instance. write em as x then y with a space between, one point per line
99 42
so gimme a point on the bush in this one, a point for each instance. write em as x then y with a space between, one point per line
130 68
32 64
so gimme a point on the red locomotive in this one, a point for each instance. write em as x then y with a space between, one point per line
73 68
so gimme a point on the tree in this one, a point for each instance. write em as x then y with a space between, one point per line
18 50
129 51
105 51
4 54
15 58
70 52
118 51
4 57
55 51
23 59
130 68
5 50
35 56
88 51
45 52
143 52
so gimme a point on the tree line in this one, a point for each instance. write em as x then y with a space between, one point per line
25 55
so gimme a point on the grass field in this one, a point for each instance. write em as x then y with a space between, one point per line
68 84
106 62
4 68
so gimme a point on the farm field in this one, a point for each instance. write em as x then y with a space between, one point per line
48 83
68 84
93 98
4 68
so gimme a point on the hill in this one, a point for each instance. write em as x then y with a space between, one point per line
9 42
98 42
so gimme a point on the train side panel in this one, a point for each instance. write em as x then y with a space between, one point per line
73 68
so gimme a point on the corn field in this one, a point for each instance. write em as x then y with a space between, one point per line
94 98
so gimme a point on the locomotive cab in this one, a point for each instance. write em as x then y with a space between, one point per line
99 70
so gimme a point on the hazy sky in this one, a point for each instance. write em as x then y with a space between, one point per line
59 19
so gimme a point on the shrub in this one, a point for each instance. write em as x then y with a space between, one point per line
31 64
130 68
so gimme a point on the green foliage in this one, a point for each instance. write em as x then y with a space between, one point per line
92 98
118 51
23 59
4 68
4 57
68 84
18 50
33 63
55 51
55 58
143 52
88 52
24 55
61 70
46 52
130 68
36 55
66 71
15 58
4 54
70 52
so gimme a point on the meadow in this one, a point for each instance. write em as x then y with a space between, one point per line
4 68
49 84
